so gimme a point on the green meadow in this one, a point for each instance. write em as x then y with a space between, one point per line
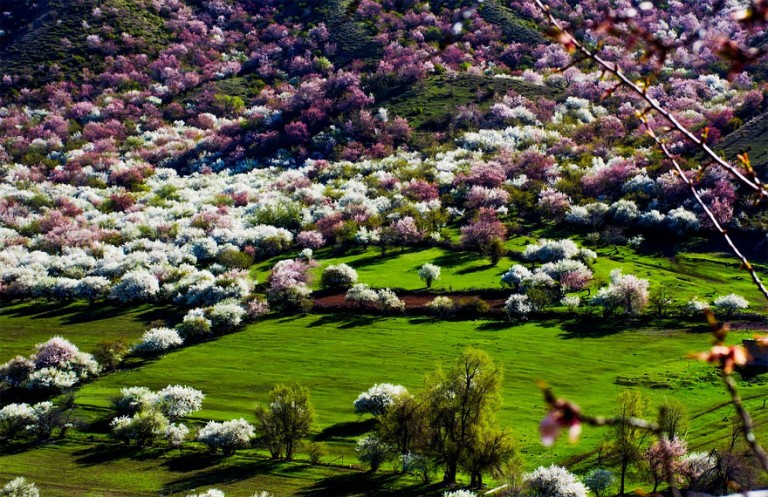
337 356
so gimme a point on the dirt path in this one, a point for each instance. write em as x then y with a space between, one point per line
414 300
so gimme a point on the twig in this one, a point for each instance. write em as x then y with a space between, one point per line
746 422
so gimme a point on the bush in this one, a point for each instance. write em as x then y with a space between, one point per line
551 250
372 451
142 428
226 316
377 398
135 286
195 325
518 305
338 277
695 306
177 401
472 307
389 302
363 295
227 436
110 354
316 452
19 487
554 481
729 305
158 340
442 306
627 294
598 481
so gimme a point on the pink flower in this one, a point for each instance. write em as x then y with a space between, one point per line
562 414
724 356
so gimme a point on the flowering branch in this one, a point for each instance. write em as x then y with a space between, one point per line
565 414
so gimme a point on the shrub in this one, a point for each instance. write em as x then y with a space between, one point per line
177 401
195 325
372 451
135 286
515 276
316 452
598 481
227 436
472 307
256 308
551 250
286 420
110 353
211 492
362 294
571 302
627 294
176 434
19 487
389 302
442 306
226 316
696 306
377 398
134 399
158 340
728 305
429 273
14 419
518 305
459 493
338 277
142 428
553 481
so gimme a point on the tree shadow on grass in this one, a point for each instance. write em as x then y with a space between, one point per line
594 328
347 429
475 269
498 325
192 461
354 484
44 310
100 454
223 473
373 260
456 259
344 320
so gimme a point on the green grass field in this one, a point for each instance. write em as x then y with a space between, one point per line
337 357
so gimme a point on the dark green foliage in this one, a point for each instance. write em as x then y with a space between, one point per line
286 420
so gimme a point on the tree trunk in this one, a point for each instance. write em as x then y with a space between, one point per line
450 474
624 464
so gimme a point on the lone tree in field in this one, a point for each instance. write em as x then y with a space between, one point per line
429 273
286 420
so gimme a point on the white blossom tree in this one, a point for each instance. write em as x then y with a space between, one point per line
429 273
377 398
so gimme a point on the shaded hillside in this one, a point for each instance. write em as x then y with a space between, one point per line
751 138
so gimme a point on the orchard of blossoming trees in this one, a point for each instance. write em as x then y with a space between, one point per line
239 183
